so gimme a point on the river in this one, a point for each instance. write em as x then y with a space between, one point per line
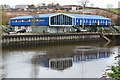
63 60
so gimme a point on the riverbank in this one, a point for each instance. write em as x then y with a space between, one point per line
50 37
29 37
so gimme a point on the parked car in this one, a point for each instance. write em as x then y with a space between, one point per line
7 29
21 31
12 32
83 30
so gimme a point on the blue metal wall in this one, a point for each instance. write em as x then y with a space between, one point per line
62 19
92 21
39 23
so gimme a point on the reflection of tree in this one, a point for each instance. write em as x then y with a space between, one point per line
35 68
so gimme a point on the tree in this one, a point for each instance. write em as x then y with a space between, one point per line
58 4
4 18
114 70
91 4
109 6
119 4
83 2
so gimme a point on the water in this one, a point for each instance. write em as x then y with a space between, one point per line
73 60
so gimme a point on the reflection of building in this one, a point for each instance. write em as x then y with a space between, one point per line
66 62
87 53
90 56
61 64
44 62
56 63
81 53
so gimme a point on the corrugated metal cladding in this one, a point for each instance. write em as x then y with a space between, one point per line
59 19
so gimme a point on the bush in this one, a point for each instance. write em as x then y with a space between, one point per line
115 71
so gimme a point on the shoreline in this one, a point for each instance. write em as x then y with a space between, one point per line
49 37
53 39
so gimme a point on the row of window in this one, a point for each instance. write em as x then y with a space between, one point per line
28 20
94 21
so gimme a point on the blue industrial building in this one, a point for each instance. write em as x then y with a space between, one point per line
58 22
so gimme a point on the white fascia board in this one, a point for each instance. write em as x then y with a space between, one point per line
75 21
60 25
68 15
63 14
49 21
55 14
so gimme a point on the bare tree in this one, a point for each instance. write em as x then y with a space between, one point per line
91 4
119 7
83 2
109 6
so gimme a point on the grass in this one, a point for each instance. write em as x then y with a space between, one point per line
116 10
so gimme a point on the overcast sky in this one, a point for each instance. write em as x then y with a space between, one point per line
97 3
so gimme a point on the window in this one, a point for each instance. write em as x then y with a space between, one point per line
19 20
86 21
40 19
106 22
27 20
102 21
61 20
95 21
80 22
77 20
89 22
98 22
19 27
14 20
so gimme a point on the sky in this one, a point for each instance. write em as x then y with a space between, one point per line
97 3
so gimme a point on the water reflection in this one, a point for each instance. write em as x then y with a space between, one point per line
59 61
81 53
